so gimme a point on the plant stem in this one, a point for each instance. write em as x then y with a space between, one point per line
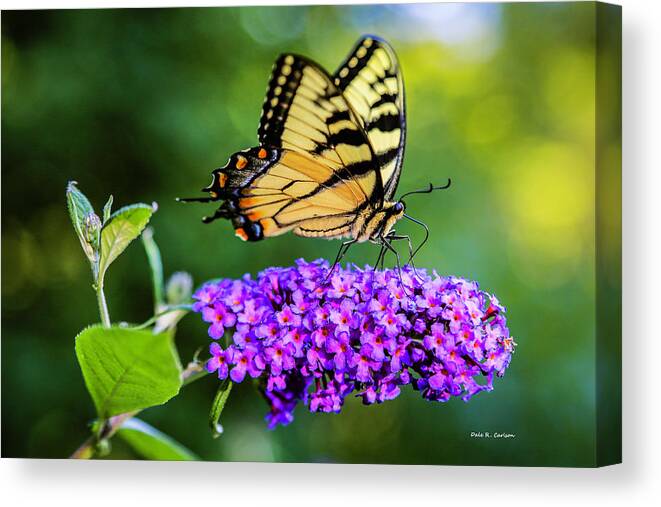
87 449
168 309
103 306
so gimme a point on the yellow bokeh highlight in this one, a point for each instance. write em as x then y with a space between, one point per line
549 200
569 95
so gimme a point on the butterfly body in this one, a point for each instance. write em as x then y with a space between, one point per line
330 152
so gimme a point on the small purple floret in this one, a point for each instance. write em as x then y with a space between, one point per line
365 331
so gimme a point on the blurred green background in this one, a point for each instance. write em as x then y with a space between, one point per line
143 104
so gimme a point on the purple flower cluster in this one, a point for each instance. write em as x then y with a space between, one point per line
315 339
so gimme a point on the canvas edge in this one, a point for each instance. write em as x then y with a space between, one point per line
608 232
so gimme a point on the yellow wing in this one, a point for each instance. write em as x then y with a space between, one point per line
372 83
269 191
291 194
315 171
305 112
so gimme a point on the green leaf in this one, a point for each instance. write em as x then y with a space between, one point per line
156 265
106 209
79 209
217 407
153 444
124 226
126 369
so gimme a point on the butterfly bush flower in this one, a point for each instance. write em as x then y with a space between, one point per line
314 339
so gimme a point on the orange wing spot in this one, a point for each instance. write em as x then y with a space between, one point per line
240 233
241 162
222 180
213 194
255 216
262 153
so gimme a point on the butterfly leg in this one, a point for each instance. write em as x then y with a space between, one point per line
385 242
340 255
382 252
381 257
397 237
385 248
219 213
392 236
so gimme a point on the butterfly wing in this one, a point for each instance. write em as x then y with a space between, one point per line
267 192
315 171
305 112
372 83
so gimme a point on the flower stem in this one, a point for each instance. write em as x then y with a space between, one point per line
103 306
193 371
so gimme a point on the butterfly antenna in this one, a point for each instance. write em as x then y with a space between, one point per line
428 190
424 226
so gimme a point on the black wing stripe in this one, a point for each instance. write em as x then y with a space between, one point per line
387 156
385 99
352 170
371 80
362 53
346 136
331 229
322 186
387 122
286 77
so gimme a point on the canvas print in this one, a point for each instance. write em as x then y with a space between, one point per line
345 234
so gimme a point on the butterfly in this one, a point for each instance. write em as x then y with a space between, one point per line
330 154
